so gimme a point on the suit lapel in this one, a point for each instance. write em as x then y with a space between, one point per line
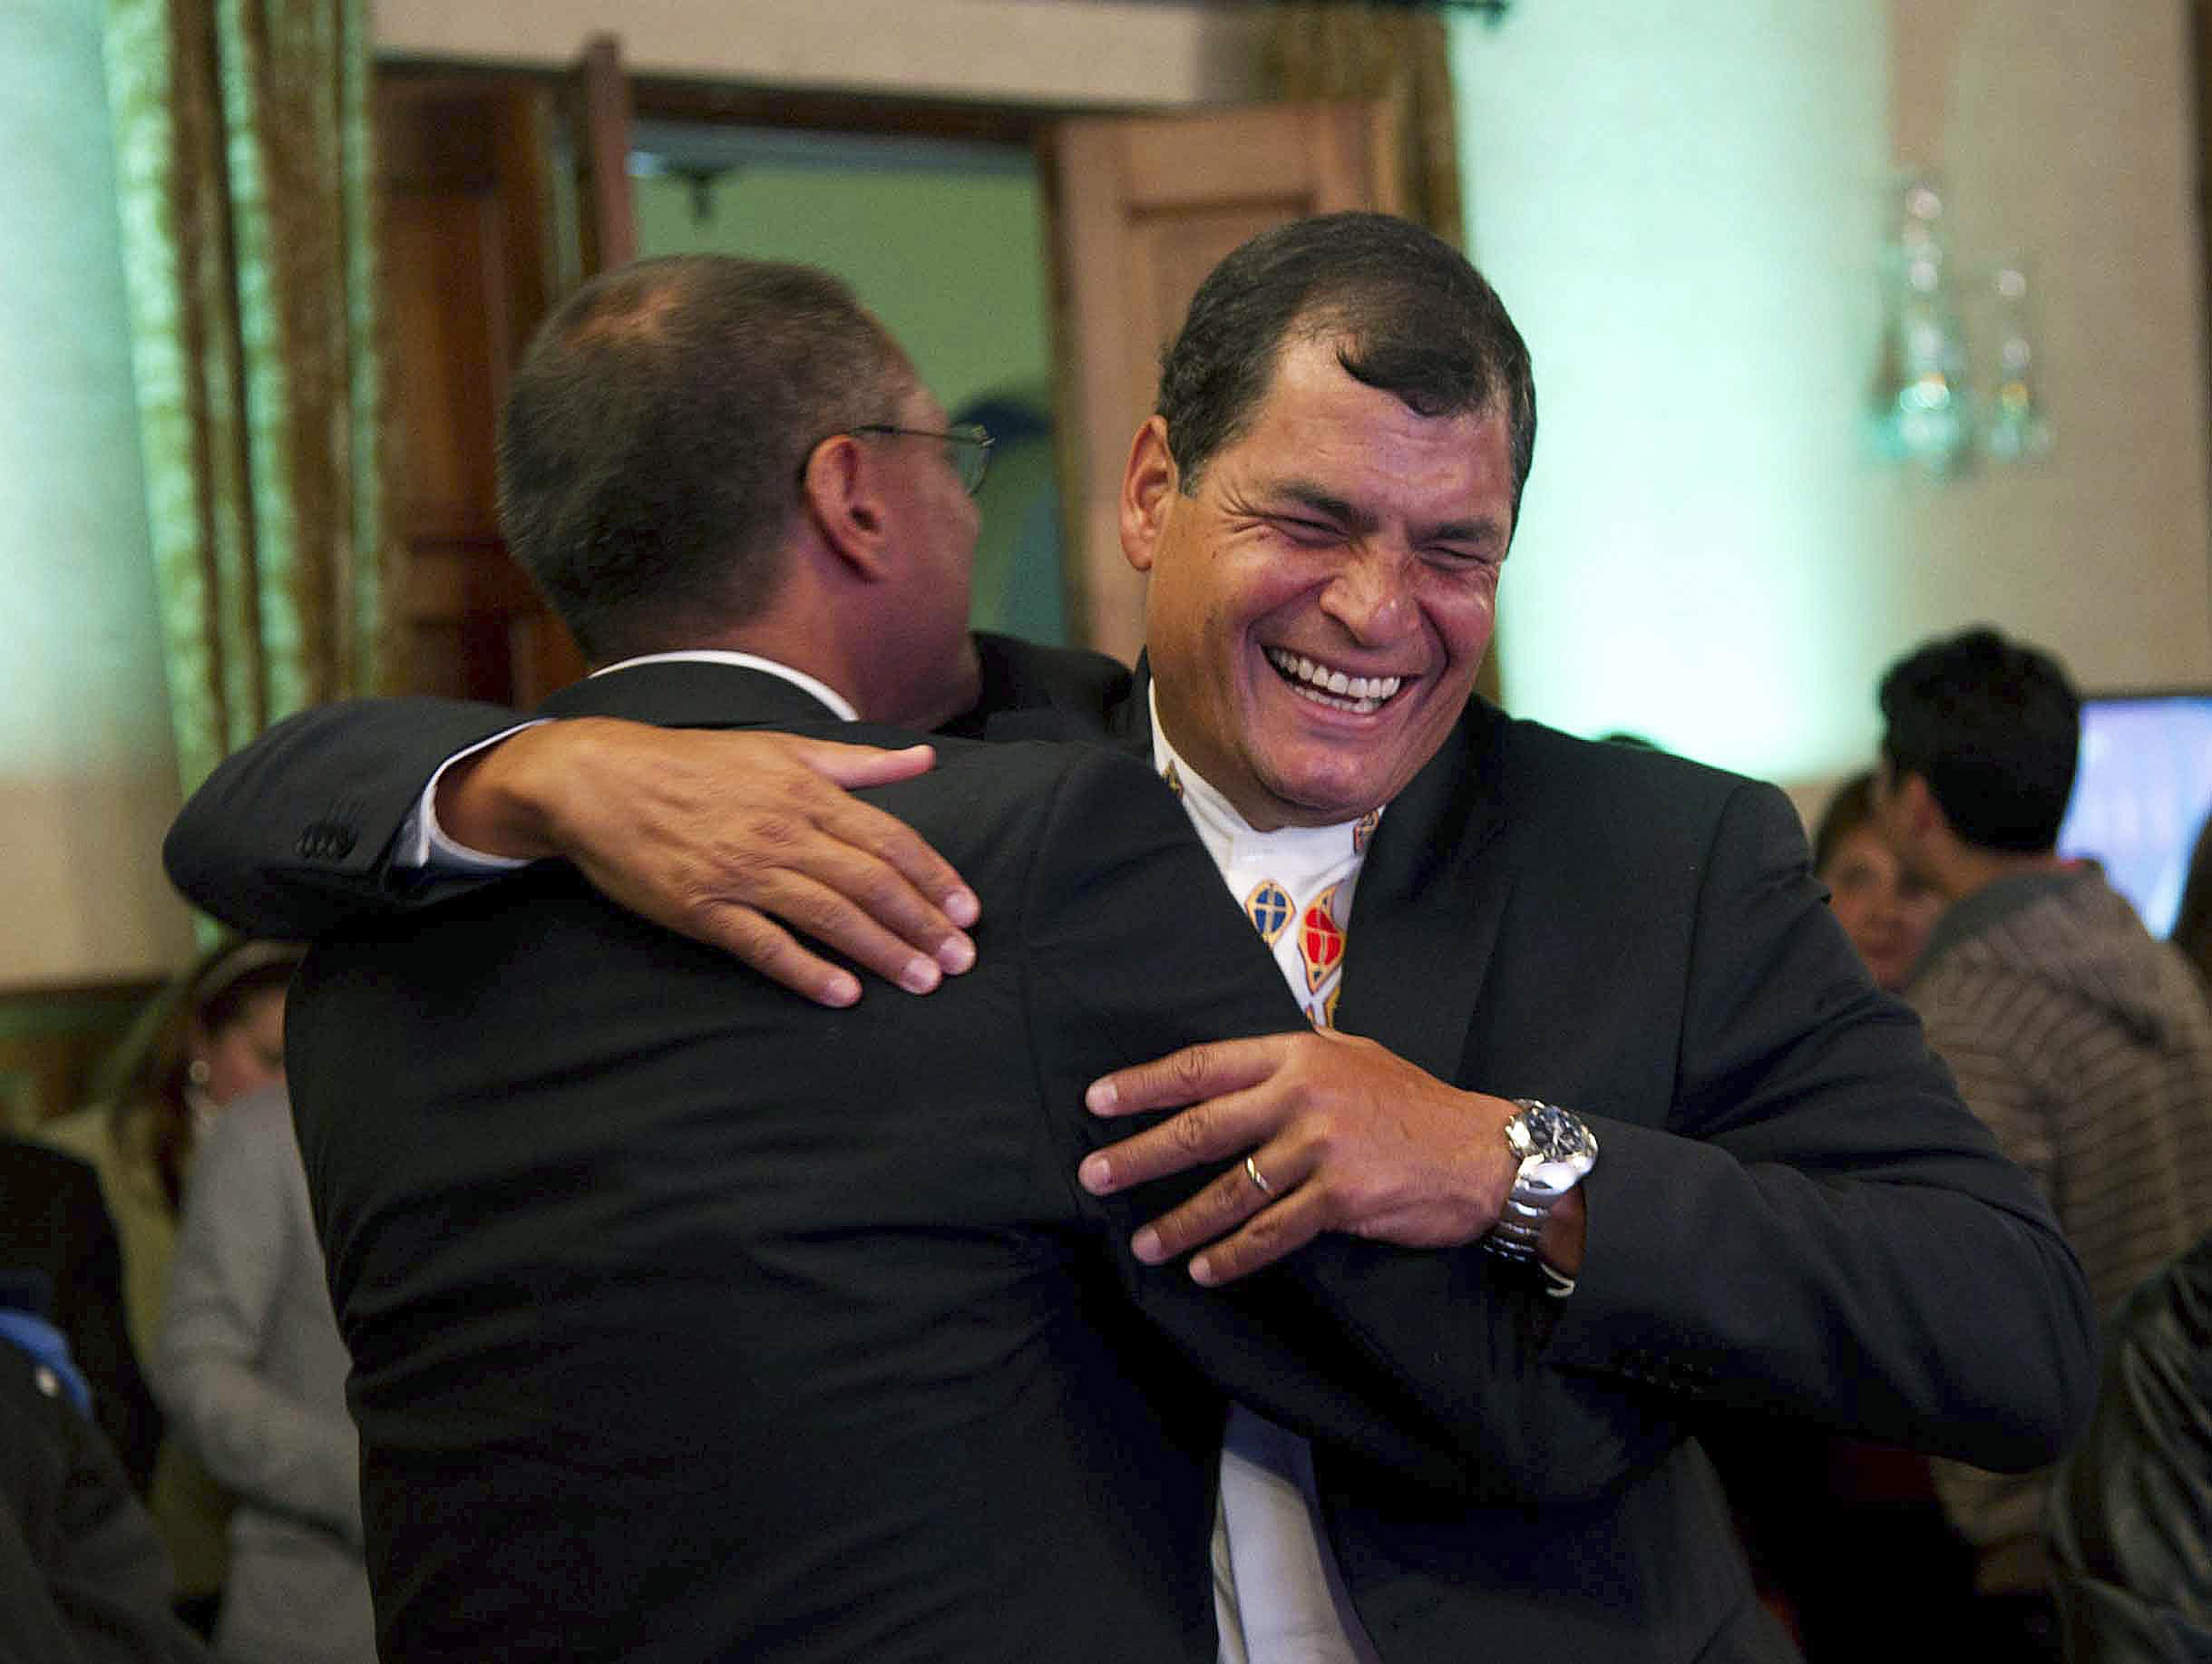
1425 916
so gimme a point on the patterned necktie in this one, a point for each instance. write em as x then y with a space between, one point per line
1319 943
1307 937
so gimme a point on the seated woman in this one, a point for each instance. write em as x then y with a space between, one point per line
216 1032
252 1371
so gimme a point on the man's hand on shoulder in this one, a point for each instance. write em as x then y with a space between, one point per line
729 837
1338 1135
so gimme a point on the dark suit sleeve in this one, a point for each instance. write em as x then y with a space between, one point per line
1137 950
1819 1228
291 837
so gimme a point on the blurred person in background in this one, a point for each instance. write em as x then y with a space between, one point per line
2130 1526
82 1576
252 1372
55 1230
2192 931
214 1032
1886 911
2083 1041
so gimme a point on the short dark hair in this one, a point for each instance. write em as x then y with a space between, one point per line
1407 311
655 430
1851 808
1995 727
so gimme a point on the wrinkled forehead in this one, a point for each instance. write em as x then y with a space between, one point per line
1323 436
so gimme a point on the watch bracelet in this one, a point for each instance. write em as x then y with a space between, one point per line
1515 1239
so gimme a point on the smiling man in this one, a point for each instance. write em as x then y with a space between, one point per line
1772 1197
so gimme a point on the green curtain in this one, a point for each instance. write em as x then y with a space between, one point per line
242 153
1341 49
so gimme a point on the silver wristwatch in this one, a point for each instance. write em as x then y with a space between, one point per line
1555 1150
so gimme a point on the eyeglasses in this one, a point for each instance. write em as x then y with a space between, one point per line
967 448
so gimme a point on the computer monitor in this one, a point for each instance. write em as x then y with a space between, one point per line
2141 792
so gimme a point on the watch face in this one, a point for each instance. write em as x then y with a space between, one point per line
1554 1135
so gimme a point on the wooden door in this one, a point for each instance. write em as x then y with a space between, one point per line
499 193
1146 206
465 200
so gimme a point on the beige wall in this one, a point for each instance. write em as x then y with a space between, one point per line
2065 131
1684 203
88 903
1053 52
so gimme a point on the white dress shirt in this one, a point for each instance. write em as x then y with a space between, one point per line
1279 1595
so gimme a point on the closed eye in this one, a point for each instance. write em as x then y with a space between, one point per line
1471 561
1310 532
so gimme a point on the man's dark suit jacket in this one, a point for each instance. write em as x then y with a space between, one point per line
84 1577
53 1221
1793 1216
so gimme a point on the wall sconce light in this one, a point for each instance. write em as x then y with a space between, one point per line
2012 425
1925 410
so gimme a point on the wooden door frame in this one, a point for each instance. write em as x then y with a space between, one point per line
1029 125
740 104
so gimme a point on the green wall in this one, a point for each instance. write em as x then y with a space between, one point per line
1681 204
951 260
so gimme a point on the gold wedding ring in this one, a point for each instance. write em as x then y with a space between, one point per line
1252 1172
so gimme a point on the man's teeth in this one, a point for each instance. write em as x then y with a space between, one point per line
1354 692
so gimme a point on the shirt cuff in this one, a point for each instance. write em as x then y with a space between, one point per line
423 845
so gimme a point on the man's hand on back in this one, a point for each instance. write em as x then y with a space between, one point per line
1347 1135
728 837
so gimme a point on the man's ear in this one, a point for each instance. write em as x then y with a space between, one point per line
842 489
1149 485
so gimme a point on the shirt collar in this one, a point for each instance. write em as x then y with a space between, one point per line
1226 829
839 705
